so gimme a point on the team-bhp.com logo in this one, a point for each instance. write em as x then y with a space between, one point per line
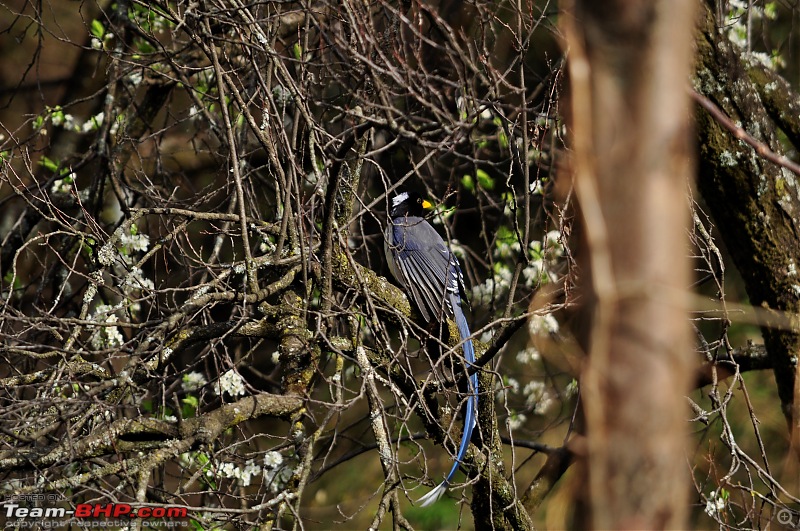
95 510
109 514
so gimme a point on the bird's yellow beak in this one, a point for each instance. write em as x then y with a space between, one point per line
427 204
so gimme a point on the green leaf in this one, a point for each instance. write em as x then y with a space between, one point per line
49 164
191 400
502 139
468 183
535 250
484 180
143 46
97 29
506 235
190 404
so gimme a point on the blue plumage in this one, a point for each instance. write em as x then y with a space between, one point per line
421 261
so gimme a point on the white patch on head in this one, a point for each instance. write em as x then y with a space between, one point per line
399 198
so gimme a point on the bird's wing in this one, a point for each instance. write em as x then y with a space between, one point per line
422 260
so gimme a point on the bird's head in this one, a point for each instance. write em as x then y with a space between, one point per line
409 204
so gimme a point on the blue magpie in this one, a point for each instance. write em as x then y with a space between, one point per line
429 272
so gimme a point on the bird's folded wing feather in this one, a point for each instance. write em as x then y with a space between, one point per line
423 260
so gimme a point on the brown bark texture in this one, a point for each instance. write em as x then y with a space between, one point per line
630 66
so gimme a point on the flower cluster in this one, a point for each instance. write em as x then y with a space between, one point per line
232 383
276 471
67 121
716 501
537 395
193 381
542 256
135 241
117 254
106 336
243 474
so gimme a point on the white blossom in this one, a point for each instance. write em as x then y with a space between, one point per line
245 475
227 470
106 336
493 288
93 123
537 395
232 383
63 186
714 504
135 242
69 121
532 273
516 420
193 381
528 355
137 280
554 246
273 459
135 77
102 310
113 334
115 126
542 325
278 478
186 459
513 385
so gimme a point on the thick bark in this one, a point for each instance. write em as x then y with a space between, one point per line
629 69
757 202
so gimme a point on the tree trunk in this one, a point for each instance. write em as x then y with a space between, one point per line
629 70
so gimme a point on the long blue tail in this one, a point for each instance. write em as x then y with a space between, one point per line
472 402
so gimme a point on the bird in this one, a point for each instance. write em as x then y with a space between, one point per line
430 273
